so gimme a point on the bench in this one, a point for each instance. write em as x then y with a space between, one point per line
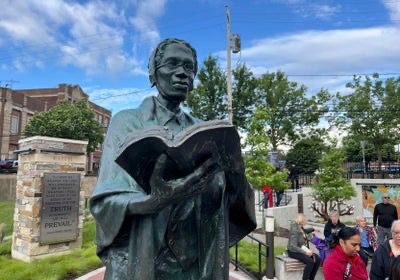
287 268
290 264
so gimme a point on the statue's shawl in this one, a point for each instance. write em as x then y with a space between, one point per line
115 189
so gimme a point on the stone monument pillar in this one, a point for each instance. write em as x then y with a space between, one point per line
49 211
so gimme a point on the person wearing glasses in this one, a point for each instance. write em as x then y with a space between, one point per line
384 215
386 255
182 228
368 244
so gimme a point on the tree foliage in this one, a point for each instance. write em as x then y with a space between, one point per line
207 100
67 120
371 112
289 114
305 155
243 93
332 190
259 172
353 151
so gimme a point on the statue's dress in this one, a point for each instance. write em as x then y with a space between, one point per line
188 240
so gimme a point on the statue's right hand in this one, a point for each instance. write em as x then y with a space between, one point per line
171 191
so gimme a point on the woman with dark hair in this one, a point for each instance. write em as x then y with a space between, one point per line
344 261
386 254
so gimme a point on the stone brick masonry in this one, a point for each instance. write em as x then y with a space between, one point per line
39 155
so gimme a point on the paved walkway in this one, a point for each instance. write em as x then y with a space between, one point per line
98 274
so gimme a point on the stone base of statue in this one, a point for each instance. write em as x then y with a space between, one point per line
49 212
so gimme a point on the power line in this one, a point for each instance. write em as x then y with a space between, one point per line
336 75
94 50
122 94
343 75
260 21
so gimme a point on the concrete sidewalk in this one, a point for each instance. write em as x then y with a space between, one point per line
98 274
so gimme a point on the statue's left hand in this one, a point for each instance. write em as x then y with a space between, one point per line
177 189
165 192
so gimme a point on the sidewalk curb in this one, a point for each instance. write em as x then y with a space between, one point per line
92 274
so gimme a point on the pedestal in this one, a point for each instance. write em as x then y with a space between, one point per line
48 216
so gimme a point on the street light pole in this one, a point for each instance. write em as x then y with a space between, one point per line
228 64
362 143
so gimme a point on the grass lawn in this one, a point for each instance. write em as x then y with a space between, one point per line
248 254
52 268
6 215
84 260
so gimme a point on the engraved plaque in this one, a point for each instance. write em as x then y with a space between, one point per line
60 207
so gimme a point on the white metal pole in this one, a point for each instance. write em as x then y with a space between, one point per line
228 64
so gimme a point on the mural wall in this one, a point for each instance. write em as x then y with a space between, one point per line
373 194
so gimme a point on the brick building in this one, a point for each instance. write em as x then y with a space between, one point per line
18 106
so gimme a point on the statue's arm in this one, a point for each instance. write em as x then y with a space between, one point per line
116 187
241 206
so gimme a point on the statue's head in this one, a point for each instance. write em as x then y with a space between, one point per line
172 68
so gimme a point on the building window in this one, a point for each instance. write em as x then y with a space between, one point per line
14 124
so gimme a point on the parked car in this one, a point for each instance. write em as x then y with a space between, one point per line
8 166
357 169
392 169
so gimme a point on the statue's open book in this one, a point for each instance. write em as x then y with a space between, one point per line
186 150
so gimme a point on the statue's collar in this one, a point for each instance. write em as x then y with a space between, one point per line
160 112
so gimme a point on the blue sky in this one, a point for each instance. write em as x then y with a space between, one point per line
104 45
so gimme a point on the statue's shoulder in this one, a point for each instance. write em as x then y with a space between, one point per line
136 115
125 115
124 121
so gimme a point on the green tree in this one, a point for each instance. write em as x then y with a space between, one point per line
67 120
332 190
371 112
289 114
207 100
305 155
243 96
353 151
259 172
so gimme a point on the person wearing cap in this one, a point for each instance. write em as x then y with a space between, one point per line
384 215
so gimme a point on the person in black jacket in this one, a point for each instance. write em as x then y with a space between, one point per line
385 255
332 227
395 269
384 215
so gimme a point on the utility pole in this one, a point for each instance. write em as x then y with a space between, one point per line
362 143
228 64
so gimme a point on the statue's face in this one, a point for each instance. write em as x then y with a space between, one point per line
175 74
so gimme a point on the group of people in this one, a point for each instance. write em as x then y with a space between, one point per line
345 251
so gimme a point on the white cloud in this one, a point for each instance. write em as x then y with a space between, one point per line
394 9
144 21
348 51
20 22
312 9
325 11
88 35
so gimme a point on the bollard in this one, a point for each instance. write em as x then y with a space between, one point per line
269 234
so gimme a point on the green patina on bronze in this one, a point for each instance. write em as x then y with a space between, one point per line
183 228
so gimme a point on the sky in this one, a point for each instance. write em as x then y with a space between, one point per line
104 46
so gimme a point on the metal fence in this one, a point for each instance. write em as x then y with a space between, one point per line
263 252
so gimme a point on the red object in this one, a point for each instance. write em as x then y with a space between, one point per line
335 266
268 189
